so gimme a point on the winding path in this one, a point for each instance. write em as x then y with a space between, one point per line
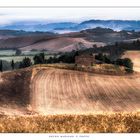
57 91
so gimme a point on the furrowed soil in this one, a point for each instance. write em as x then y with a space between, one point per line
59 91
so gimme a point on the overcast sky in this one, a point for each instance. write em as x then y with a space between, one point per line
10 15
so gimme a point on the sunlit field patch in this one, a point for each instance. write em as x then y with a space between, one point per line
119 122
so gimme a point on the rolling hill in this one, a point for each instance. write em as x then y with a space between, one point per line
50 91
62 27
63 42
56 91
16 39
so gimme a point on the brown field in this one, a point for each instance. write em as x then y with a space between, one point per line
135 57
123 123
62 44
59 91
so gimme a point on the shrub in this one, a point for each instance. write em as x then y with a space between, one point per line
125 62
39 59
26 62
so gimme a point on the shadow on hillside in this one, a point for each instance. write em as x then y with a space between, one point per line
15 87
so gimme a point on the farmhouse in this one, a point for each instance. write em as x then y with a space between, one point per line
85 60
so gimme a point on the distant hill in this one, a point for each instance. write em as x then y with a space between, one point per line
62 44
112 24
17 33
10 39
108 36
63 27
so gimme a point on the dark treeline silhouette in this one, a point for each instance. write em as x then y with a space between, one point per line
39 58
12 64
6 65
26 62
1 66
126 62
68 57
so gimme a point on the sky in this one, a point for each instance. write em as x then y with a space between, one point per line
10 15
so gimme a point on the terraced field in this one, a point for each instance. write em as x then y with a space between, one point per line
57 91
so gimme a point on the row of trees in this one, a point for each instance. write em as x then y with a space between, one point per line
68 57
26 62
40 59
12 64
65 58
126 62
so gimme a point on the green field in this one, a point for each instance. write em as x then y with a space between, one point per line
7 52
19 58
15 58
9 55
12 52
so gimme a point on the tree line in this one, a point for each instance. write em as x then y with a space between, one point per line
5 65
114 52
126 62
66 58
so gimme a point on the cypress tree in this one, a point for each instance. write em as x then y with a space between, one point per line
1 66
13 65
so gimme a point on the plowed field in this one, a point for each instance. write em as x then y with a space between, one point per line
57 91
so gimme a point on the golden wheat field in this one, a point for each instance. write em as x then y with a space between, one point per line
129 122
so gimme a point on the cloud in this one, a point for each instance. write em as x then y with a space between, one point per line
10 15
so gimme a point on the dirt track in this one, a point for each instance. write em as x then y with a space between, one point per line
57 91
